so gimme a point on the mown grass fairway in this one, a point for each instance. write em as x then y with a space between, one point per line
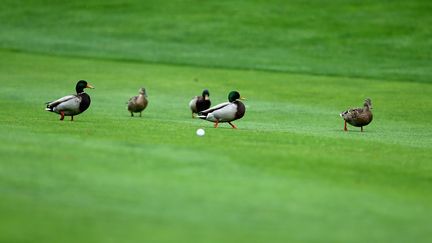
288 174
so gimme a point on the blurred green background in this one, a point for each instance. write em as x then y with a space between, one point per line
378 39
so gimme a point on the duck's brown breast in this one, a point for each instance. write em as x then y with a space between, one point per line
241 109
202 104
85 102
138 104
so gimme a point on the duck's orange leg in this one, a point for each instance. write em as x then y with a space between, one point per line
216 124
233 126
345 127
62 115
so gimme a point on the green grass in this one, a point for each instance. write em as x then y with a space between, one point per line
288 174
378 39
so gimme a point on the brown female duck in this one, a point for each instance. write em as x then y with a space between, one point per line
138 103
358 117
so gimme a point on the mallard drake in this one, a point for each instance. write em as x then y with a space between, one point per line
358 117
71 105
225 112
138 103
200 103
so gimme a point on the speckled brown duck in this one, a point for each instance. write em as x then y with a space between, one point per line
200 103
358 117
71 105
229 111
138 103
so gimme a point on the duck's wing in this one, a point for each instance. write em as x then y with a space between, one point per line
352 113
224 112
55 103
132 99
214 108
71 105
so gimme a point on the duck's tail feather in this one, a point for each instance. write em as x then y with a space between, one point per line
48 107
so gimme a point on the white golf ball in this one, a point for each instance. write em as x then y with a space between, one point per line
200 132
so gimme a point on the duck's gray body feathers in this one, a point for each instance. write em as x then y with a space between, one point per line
192 104
70 105
224 112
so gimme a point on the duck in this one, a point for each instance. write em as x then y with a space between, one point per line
358 117
71 105
200 103
138 103
229 111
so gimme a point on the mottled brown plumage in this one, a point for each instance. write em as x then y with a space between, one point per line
138 103
358 117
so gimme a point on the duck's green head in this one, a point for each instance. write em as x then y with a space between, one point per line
234 95
81 85
205 94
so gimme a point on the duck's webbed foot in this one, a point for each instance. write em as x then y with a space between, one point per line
232 125
61 115
216 124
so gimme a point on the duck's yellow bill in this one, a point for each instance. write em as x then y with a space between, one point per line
242 98
89 86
